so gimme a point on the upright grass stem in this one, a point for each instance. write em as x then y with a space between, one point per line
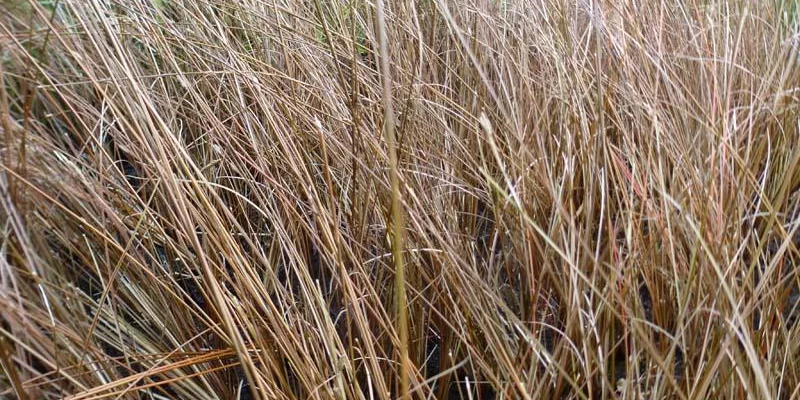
397 211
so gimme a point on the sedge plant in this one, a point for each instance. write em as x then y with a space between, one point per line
453 199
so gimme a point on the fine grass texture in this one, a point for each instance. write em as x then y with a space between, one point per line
451 199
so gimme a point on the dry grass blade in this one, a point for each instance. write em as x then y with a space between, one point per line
397 223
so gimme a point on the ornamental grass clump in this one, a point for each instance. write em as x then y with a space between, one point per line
452 199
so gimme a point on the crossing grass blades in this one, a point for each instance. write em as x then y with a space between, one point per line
505 200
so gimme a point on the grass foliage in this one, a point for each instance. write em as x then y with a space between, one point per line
578 199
